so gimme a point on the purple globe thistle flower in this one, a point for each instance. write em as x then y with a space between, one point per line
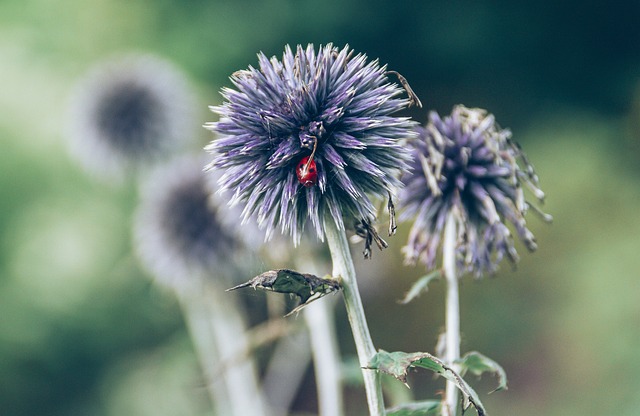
180 230
311 136
467 165
129 112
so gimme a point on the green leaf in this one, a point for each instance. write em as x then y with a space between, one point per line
421 285
477 364
423 408
306 286
398 363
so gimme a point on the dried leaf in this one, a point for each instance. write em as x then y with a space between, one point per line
306 286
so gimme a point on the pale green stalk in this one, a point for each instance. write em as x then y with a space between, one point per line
343 268
201 333
241 377
285 371
282 378
326 358
319 317
452 320
223 332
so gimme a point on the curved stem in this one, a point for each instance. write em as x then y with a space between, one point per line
343 267
452 325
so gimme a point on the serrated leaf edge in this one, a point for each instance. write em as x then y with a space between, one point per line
469 396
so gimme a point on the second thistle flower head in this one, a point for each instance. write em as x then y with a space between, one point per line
180 230
129 112
467 166
309 136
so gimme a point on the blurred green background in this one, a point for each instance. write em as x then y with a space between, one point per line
84 332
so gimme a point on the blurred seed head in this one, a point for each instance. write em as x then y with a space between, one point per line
129 112
466 165
180 231
309 136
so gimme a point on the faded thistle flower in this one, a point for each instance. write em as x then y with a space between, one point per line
311 136
180 229
466 165
127 112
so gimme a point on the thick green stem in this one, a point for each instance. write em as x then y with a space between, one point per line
452 320
343 267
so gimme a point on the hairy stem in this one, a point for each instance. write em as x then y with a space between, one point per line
343 268
452 320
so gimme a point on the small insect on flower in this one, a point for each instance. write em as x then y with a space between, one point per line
312 137
307 172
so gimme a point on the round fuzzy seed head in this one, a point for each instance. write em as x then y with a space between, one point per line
466 165
180 229
328 108
129 112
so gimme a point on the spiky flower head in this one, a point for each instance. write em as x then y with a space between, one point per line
311 136
466 165
180 229
128 112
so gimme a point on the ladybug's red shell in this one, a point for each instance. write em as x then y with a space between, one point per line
307 172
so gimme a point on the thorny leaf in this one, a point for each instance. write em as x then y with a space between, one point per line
306 286
398 363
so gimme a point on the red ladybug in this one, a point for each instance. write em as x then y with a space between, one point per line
307 172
